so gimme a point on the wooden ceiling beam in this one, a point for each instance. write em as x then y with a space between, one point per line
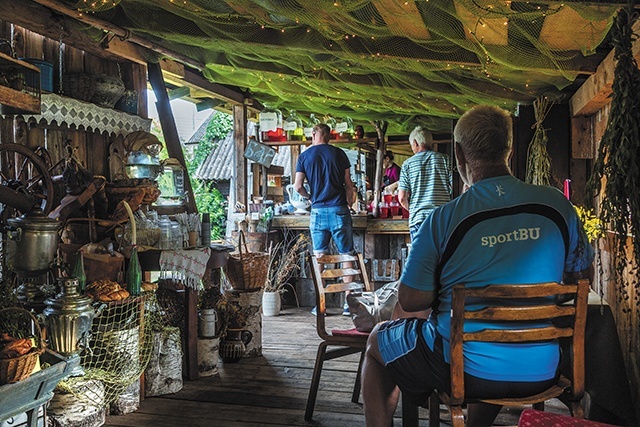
595 92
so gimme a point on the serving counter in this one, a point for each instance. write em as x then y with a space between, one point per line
360 222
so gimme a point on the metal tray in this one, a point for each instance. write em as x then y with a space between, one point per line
35 391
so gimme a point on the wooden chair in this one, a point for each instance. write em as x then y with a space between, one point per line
571 390
326 279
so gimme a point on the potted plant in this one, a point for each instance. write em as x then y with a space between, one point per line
282 264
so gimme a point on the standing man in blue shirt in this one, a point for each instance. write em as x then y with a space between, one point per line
327 170
505 231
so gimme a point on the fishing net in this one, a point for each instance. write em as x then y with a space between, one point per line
408 62
120 348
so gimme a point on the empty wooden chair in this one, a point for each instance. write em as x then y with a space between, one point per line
330 277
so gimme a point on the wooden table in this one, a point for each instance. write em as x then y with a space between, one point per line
150 261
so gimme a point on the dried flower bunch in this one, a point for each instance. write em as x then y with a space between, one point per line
591 223
284 262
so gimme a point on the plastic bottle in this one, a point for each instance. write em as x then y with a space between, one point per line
206 229
308 130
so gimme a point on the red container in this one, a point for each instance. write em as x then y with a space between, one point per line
394 210
405 213
388 198
384 212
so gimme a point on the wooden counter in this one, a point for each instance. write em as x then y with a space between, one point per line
360 222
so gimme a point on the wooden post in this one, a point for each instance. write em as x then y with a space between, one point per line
381 146
240 143
174 148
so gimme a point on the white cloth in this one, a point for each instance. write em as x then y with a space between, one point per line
187 266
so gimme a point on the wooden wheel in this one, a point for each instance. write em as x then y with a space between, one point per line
23 171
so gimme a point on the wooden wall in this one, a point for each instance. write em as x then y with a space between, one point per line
91 148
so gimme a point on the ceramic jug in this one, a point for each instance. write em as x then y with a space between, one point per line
300 203
234 345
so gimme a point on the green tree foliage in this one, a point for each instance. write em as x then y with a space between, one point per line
208 198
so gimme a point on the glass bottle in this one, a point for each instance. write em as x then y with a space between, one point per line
134 273
78 273
308 130
271 125
293 126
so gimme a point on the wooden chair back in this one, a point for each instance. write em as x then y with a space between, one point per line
333 274
530 302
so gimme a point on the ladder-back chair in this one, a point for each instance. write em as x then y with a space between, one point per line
330 277
572 390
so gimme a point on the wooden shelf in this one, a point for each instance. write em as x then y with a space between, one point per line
333 141
17 101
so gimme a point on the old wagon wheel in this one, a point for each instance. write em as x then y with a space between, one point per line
23 171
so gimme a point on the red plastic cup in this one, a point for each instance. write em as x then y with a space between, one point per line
405 213
384 212
388 198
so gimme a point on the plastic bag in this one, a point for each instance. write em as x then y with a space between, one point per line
370 308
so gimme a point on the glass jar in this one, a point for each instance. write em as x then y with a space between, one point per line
177 239
345 129
331 122
293 127
165 232
271 128
308 130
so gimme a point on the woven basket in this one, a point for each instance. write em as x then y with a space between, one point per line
247 271
19 368
78 86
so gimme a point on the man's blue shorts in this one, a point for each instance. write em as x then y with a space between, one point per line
331 222
418 370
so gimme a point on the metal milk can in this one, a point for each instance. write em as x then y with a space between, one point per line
207 323
68 318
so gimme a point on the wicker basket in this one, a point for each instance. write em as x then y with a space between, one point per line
78 86
19 368
247 271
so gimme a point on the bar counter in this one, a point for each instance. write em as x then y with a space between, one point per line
360 222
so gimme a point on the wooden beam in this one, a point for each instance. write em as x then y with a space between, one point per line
240 143
402 18
41 20
168 124
594 93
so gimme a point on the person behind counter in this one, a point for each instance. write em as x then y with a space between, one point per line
425 179
391 170
327 170
413 354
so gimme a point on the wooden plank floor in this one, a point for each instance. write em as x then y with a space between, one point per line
272 390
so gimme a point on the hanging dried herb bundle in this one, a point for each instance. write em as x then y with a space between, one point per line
538 160
618 161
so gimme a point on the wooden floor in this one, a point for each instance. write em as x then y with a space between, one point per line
272 390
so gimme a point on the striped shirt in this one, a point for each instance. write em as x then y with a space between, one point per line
427 177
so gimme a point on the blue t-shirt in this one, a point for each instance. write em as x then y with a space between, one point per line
520 245
324 166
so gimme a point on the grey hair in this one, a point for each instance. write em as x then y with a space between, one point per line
422 136
485 134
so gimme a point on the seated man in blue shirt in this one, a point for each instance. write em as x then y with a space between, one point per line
505 231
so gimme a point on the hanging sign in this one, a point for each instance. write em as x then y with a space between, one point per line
259 153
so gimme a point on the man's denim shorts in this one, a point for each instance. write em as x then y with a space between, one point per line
331 222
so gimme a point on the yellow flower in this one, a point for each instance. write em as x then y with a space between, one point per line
592 225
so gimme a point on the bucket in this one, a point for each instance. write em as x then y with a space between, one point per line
271 304
46 74
207 323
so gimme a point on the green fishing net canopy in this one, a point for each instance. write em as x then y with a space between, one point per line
406 62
